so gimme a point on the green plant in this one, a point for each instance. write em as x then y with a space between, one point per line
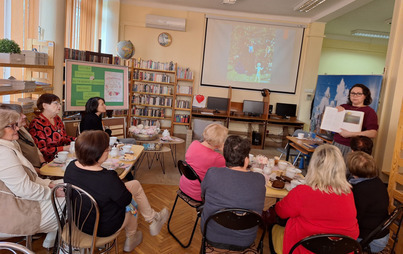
9 46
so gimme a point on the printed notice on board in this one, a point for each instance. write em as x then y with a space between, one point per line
113 86
350 120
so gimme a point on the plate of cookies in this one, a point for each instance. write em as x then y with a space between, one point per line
128 157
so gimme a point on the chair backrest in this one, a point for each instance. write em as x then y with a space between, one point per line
383 226
235 219
186 170
329 244
15 248
73 212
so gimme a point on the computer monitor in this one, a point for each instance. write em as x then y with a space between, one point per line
217 103
286 110
254 108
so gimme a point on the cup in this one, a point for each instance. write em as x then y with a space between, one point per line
313 135
114 152
127 148
290 172
72 147
282 165
62 156
271 163
301 135
112 140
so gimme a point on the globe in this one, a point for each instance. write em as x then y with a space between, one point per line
125 49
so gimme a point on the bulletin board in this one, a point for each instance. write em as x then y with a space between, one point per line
87 79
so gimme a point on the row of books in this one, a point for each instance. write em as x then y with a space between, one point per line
151 112
152 100
184 73
156 89
184 89
182 118
182 104
120 112
74 54
145 122
147 76
149 64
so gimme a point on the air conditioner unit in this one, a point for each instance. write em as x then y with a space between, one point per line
163 22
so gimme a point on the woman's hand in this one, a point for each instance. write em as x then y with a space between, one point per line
59 192
347 134
340 108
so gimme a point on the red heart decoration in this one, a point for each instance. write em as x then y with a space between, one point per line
199 98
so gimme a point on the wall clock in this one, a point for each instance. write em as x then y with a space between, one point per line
164 39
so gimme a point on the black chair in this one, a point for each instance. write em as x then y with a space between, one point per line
189 173
329 244
381 228
235 219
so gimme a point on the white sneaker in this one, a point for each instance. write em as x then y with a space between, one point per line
133 241
49 241
158 221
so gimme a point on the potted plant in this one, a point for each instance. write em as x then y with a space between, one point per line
10 52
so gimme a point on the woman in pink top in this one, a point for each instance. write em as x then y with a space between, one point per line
202 155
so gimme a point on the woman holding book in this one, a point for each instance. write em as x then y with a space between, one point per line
359 98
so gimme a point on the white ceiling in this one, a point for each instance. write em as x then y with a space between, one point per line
341 16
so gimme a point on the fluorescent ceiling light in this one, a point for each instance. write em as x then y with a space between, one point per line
308 5
229 1
371 34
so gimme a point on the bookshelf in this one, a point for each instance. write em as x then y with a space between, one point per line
183 98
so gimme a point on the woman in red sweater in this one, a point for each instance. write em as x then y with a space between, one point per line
324 205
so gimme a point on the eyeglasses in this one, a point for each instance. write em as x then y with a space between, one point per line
356 94
56 103
12 126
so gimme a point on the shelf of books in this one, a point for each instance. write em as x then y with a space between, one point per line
183 97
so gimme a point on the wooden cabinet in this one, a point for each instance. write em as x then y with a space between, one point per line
183 98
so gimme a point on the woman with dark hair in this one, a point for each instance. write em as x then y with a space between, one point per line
92 118
359 97
114 197
233 186
47 129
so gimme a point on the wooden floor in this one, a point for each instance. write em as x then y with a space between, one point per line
161 196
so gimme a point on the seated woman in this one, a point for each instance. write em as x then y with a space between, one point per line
92 149
233 186
47 129
26 142
92 118
26 206
324 205
202 156
370 196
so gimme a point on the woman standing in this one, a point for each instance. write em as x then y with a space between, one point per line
359 98
92 119
92 149
26 207
48 129
324 205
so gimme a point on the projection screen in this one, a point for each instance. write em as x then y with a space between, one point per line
251 56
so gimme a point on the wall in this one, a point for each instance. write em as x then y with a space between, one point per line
187 50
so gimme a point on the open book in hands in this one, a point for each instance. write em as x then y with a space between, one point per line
350 120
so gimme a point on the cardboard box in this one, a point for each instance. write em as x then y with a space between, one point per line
31 57
12 58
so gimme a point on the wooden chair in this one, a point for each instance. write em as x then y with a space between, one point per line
381 228
329 244
189 173
234 219
14 248
71 219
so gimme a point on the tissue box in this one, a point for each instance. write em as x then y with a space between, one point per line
31 57
12 58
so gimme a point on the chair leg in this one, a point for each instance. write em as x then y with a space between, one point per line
28 242
193 231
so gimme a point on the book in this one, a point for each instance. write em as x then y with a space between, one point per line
350 120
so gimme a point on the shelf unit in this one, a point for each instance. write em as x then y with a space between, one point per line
152 89
40 73
183 97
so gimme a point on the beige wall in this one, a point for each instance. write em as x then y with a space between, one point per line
187 50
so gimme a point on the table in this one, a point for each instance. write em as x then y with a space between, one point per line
57 171
172 145
155 154
305 146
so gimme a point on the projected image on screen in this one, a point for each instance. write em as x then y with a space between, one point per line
251 55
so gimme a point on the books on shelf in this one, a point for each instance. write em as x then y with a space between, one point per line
151 88
181 118
152 100
184 73
149 64
183 104
334 120
150 112
184 89
149 76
